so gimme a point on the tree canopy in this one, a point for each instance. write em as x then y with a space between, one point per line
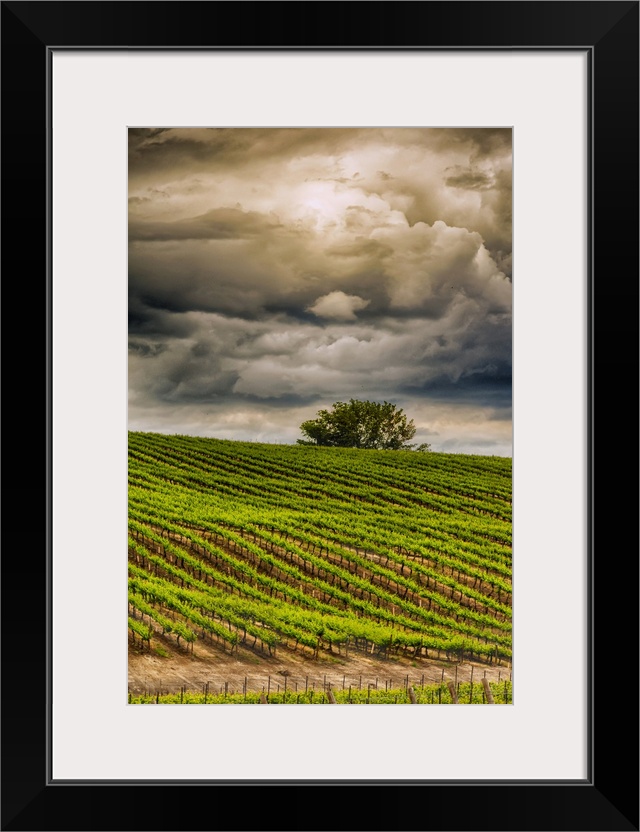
361 424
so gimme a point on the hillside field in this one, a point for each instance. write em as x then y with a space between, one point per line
281 569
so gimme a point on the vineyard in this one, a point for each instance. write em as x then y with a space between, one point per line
257 552
494 693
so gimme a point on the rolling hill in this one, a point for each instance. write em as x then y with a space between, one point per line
261 552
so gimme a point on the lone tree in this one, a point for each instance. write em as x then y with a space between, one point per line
357 424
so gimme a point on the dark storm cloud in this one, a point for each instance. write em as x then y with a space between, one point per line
471 179
147 349
273 272
185 151
481 141
200 277
490 383
186 373
282 403
217 224
147 319
253 278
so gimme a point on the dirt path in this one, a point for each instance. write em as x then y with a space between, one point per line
167 668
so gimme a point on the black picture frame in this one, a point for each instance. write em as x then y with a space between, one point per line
608 798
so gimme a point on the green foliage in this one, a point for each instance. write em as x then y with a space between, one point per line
434 694
270 547
361 424
423 446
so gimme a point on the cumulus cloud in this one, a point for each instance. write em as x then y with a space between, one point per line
338 306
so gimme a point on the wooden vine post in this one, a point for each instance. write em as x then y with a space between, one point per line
487 691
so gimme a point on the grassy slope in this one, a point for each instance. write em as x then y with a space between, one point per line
422 539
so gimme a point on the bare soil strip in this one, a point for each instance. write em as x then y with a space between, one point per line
151 671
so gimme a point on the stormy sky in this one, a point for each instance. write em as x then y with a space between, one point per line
273 272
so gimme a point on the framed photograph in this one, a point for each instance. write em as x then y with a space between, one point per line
444 102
